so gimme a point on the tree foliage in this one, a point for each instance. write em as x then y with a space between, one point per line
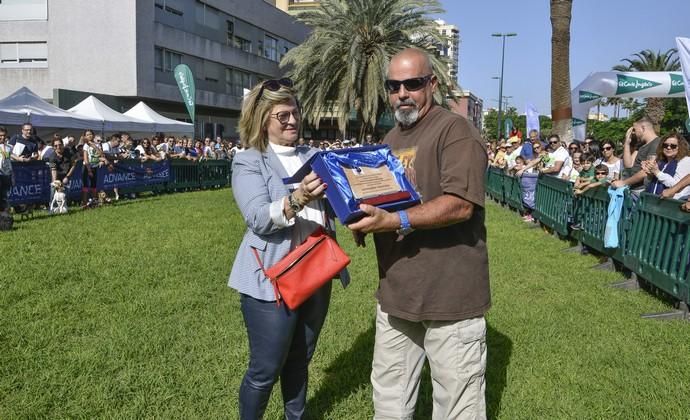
519 122
341 67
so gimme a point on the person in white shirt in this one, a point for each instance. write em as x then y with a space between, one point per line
559 163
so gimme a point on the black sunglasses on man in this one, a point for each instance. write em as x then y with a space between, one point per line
412 85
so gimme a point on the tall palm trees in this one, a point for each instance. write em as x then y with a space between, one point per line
561 110
648 60
341 67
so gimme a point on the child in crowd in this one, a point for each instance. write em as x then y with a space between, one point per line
500 158
519 166
601 173
587 174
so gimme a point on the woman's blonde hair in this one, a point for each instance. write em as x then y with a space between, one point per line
256 113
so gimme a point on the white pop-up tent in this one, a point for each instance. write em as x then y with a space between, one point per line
142 111
110 119
25 106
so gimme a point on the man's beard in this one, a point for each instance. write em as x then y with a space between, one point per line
406 117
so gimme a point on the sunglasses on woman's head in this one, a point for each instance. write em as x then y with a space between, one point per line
670 146
274 85
411 85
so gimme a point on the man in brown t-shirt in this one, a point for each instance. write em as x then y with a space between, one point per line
433 265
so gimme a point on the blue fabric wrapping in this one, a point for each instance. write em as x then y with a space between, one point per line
370 159
614 214
528 185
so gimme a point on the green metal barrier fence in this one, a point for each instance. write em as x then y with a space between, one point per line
185 175
591 213
205 174
513 192
494 184
653 234
659 247
554 203
214 173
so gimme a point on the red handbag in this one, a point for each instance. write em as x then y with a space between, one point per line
305 269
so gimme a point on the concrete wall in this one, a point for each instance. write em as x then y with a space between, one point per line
91 46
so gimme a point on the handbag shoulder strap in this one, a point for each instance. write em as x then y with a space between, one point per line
276 293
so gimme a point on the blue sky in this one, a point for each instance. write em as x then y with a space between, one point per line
602 33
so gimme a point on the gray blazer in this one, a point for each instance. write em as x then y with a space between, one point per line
257 180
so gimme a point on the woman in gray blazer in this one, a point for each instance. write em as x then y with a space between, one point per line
278 217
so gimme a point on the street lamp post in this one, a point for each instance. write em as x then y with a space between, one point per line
500 80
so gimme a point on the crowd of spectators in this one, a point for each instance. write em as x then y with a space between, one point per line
62 155
646 162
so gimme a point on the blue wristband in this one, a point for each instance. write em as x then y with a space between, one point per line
405 226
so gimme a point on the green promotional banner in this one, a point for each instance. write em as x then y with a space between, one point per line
185 81
508 124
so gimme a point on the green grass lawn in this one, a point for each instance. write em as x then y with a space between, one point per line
124 312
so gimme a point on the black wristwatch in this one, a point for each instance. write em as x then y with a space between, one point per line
294 205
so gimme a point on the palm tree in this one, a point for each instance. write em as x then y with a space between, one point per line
647 60
615 102
341 67
561 111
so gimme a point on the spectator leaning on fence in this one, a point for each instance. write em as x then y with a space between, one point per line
672 164
559 162
60 164
600 179
643 131
6 174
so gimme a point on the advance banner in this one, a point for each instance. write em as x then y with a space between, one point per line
613 84
130 174
32 183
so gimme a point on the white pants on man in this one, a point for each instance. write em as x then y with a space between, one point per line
456 351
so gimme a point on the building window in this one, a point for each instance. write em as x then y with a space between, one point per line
23 10
207 15
166 60
243 44
230 29
23 54
161 4
236 81
271 48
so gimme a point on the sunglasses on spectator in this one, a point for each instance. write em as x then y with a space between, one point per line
670 146
602 173
283 117
573 147
554 142
411 85
274 85
607 148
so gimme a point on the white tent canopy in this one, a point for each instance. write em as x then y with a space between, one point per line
142 111
110 119
25 106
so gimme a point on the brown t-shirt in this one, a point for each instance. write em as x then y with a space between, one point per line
438 274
